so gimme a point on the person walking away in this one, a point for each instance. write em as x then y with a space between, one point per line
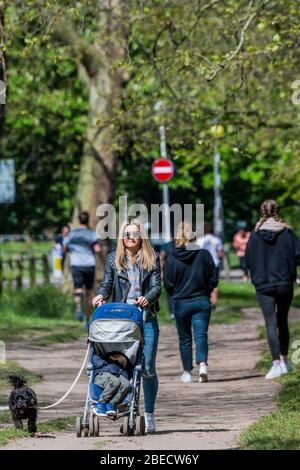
239 243
214 245
272 256
132 275
190 276
83 245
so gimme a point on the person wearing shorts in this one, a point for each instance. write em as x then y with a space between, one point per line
83 244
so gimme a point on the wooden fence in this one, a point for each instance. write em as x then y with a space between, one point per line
17 270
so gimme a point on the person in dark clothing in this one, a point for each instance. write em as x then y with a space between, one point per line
190 275
112 375
272 256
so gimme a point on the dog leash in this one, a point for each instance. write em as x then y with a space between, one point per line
72 386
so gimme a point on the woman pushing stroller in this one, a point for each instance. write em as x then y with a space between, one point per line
132 275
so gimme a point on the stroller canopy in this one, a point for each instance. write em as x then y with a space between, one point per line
117 327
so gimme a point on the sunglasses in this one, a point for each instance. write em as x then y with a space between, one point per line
134 235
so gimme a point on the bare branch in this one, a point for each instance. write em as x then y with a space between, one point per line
236 51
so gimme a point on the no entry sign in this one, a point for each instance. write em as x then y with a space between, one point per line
162 170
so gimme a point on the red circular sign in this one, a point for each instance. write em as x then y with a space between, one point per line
162 170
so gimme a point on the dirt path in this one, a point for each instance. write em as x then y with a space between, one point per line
189 416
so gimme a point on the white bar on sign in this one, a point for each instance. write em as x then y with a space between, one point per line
161 171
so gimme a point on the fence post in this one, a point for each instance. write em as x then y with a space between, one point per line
19 273
45 269
32 276
1 276
10 275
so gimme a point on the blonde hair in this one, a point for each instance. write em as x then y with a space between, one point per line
184 234
146 254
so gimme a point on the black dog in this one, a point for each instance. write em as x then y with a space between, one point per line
22 403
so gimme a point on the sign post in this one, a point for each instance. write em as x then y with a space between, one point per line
163 171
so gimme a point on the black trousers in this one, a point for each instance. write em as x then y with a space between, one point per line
275 304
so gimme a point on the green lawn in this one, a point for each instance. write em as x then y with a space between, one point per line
35 247
279 430
42 315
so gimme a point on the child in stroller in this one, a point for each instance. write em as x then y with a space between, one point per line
112 374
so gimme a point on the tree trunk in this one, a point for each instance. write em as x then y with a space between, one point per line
105 83
3 74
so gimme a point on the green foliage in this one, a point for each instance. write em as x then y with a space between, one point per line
228 62
42 301
41 316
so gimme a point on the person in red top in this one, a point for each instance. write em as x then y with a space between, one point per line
240 241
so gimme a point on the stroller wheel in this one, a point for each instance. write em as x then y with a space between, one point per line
127 431
140 426
96 426
78 426
85 431
91 426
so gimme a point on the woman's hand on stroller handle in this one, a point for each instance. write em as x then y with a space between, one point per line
98 300
142 301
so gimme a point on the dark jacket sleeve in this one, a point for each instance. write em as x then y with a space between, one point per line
106 285
169 276
248 252
296 243
213 272
154 283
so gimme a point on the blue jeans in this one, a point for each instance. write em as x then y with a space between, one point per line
150 380
192 313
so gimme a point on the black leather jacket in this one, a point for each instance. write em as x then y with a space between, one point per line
116 284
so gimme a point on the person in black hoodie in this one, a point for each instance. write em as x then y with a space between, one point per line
190 275
272 256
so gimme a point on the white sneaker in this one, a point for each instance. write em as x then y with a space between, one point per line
150 425
286 366
186 377
275 371
203 375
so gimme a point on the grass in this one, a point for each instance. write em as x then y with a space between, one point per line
10 367
42 315
233 296
35 247
279 430
51 426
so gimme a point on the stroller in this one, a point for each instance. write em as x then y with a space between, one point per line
115 327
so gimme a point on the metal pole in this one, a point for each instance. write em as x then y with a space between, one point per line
218 205
165 190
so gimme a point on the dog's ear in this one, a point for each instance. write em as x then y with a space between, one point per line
17 380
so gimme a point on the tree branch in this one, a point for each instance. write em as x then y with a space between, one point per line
234 53
88 54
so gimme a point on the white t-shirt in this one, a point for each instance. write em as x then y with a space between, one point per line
212 244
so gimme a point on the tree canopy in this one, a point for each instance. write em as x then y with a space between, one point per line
208 62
